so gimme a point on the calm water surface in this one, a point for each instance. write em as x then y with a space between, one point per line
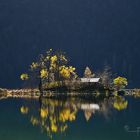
71 119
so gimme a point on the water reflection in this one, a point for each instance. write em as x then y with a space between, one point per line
120 103
54 115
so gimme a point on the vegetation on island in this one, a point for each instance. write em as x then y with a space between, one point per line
53 72
120 82
88 73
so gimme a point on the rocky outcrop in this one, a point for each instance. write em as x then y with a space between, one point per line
34 93
19 93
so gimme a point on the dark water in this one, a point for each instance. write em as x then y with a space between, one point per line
71 119
91 32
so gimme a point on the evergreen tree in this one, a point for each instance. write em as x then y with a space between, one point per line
88 73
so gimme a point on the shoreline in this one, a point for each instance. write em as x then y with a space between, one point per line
34 93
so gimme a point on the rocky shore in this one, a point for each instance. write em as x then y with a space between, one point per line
19 93
34 93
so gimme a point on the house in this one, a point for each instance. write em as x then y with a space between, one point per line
90 80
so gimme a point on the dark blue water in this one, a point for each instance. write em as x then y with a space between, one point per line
105 122
92 32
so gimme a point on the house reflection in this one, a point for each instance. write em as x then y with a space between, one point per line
89 110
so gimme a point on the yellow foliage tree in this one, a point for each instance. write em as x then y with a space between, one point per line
120 82
67 72
24 76
51 67
44 73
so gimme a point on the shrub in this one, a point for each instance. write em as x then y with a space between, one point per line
120 82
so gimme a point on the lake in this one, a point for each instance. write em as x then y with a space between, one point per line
110 118
94 33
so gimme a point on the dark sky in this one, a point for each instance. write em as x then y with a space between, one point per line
91 32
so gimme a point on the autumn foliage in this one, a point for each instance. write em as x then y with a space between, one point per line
51 67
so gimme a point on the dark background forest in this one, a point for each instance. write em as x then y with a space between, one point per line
93 33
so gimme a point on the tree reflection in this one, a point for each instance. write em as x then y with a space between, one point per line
24 110
53 115
120 103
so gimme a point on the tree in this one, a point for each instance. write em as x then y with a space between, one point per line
88 73
106 77
51 67
24 76
120 82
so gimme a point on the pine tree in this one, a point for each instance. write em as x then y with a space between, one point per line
88 73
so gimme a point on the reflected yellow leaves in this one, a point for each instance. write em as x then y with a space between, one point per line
24 110
120 103
54 115
34 121
67 115
44 113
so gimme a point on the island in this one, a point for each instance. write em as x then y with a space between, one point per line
51 75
